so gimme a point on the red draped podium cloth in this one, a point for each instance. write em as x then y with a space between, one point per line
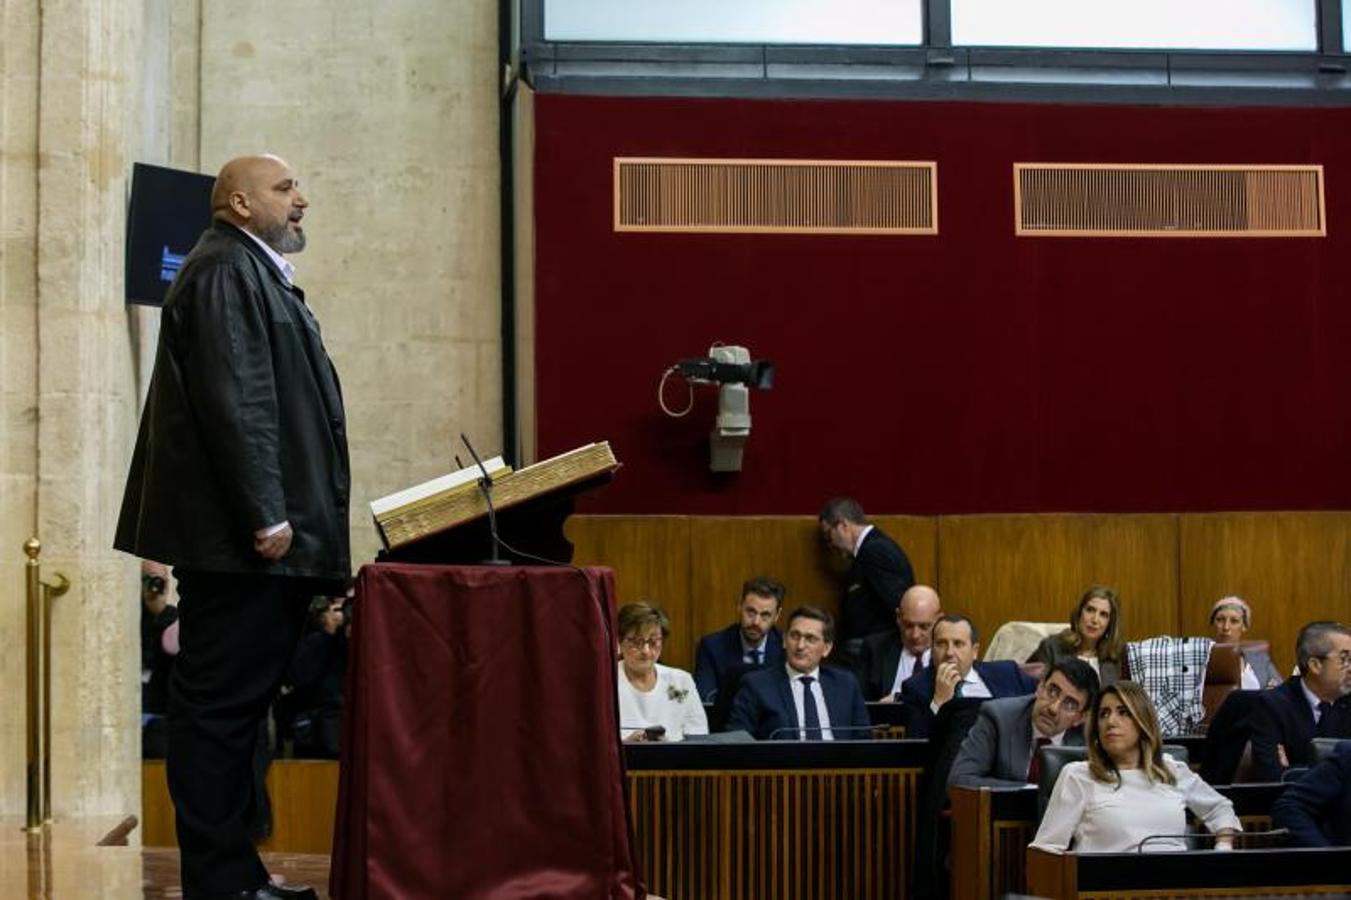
480 752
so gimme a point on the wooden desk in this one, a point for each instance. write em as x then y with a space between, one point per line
992 827
815 821
1192 874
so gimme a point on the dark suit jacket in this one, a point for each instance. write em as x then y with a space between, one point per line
877 662
764 704
720 653
1003 678
998 749
1282 716
1317 808
879 575
243 425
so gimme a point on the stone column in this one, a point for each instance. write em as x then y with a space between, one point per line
18 365
87 72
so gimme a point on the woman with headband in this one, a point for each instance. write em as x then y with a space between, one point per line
1230 618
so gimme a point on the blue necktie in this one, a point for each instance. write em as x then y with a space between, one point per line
758 657
811 721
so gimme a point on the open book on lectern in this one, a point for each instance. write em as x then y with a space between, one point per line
454 499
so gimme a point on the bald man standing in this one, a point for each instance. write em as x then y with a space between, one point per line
240 482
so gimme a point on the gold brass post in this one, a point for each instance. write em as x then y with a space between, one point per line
40 594
37 676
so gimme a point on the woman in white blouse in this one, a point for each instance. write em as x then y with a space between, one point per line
1129 790
653 696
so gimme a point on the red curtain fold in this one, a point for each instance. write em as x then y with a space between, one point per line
480 750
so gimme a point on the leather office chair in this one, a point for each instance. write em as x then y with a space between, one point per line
1224 675
1324 747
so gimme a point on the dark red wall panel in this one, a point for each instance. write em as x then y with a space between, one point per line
972 371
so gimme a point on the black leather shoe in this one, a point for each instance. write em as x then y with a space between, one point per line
272 891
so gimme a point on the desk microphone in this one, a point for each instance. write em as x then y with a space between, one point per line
1270 832
773 735
485 486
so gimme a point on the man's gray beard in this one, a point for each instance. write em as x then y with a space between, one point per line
282 239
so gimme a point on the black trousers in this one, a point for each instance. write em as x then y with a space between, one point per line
237 634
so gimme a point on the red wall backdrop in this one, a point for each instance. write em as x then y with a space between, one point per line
971 371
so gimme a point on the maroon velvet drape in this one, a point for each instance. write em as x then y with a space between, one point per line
480 751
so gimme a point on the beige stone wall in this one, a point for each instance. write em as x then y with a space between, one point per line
389 112
18 373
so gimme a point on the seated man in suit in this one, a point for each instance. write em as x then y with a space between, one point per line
889 658
750 641
1000 749
954 672
1314 703
802 700
878 574
1317 808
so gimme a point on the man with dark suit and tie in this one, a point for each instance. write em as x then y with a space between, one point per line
802 700
1314 703
954 672
1317 807
751 641
878 574
1000 749
890 657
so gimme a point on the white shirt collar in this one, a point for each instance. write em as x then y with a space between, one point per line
288 271
861 535
1312 698
794 674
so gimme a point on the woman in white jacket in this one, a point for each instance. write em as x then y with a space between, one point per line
1129 789
656 702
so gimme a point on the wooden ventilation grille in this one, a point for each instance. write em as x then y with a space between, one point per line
778 196
1168 201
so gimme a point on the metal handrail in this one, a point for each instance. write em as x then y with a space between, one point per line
40 595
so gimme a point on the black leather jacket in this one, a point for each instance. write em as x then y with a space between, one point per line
243 425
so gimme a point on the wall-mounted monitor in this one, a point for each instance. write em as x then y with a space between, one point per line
169 210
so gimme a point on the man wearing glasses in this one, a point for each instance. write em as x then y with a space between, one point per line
1000 749
802 700
1314 703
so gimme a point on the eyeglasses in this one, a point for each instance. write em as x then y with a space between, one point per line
1342 657
1054 693
637 643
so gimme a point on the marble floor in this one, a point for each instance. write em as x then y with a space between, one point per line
66 862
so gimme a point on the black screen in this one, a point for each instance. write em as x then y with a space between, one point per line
169 210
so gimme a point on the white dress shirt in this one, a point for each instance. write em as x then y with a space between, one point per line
859 542
907 666
972 686
819 698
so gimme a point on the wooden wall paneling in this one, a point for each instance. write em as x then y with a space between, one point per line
918 537
727 550
1292 567
650 556
304 797
1035 567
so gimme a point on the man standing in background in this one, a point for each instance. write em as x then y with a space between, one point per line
879 574
240 481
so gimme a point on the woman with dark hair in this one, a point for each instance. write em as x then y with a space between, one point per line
1230 618
1129 789
656 702
1094 636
